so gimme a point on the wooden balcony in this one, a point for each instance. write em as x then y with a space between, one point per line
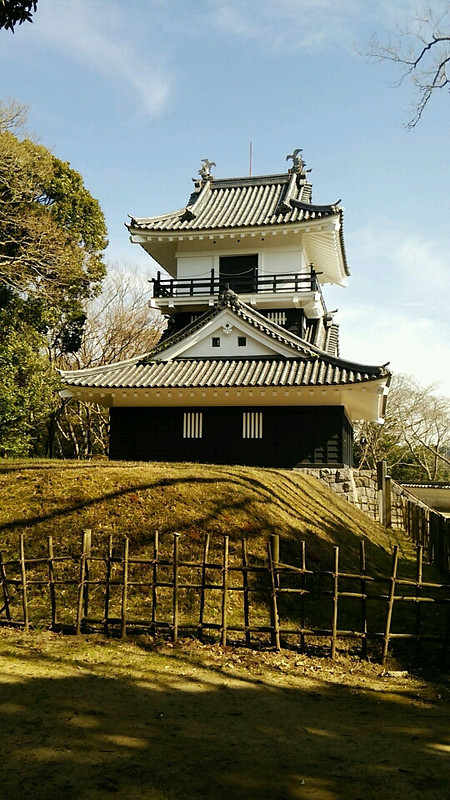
241 284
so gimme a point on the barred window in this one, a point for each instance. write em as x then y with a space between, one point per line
277 316
215 341
193 425
252 425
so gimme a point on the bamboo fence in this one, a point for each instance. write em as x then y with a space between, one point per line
228 594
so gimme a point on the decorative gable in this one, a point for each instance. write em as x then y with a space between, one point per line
226 335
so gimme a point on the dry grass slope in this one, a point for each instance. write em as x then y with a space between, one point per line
61 498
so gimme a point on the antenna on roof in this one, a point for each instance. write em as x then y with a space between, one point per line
251 158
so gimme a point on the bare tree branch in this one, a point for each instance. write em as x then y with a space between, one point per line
421 48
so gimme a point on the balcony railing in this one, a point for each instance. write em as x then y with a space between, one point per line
241 284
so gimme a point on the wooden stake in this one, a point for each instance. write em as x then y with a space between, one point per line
245 593
363 590
88 546
224 590
419 578
109 556
176 537
273 550
203 587
23 579
390 606
154 581
302 595
335 602
123 624
51 580
6 600
85 549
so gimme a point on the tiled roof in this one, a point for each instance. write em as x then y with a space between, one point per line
308 366
193 373
248 314
241 202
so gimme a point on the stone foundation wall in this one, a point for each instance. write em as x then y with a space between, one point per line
359 487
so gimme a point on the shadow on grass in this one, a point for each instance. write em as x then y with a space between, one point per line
302 507
174 735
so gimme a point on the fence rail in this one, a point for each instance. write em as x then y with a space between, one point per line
227 591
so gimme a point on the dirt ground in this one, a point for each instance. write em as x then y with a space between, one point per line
91 718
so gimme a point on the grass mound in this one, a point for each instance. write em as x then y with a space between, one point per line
61 498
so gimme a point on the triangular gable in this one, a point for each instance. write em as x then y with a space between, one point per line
228 335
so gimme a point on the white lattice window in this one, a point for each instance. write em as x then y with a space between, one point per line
193 425
277 316
252 425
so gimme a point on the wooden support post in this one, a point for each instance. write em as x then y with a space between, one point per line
88 545
388 501
5 608
81 605
176 539
155 581
203 587
123 621
109 557
363 590
335 602
23 581
446 639
223 624
51 580
273 553
245 592
390 605
419 578
302 596
381 480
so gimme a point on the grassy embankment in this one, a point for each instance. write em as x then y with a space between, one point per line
42 498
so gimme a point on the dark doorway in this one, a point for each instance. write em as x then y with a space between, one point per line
239 273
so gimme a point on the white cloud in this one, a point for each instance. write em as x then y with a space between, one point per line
405 270
414 345
99 34
308 25
396 307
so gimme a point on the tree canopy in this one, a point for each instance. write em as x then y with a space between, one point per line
52 233
15 12
52 237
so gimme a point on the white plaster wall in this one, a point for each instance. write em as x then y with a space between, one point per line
270 261
195 266
228 346
273 262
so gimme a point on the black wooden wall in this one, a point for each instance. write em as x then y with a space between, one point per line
292 436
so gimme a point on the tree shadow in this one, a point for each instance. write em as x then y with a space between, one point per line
184 735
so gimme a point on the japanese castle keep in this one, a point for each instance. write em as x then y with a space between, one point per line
248 370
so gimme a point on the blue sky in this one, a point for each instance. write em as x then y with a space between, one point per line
134 93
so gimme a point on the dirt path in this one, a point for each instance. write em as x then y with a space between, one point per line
90 719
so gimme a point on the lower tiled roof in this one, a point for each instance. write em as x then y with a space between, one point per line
191 373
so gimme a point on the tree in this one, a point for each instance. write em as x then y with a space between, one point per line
415 439
52 235
52 231
119 325
421 49
27 386
15 12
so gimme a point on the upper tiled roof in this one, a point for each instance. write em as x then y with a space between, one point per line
241 202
